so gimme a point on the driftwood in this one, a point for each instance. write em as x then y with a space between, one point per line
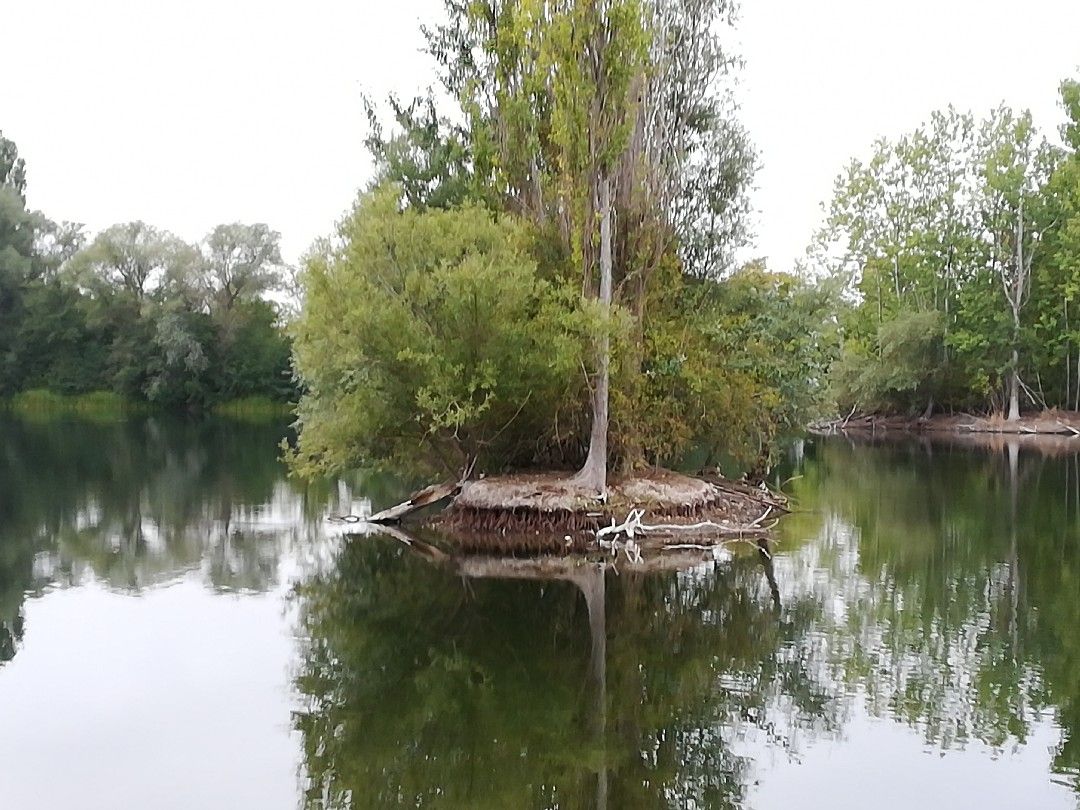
723 533
633 526
417 501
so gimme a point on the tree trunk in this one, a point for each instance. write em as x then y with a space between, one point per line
1068 354
593 475
1014 388
1076 402
1016 302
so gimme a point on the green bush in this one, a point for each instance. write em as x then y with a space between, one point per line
433 332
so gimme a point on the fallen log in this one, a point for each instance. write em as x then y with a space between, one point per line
418 500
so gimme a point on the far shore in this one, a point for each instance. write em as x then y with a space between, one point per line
1044 423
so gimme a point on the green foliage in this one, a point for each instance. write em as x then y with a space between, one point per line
1055 331
254 355
426 156
727 368
559 103
432 331
133 256
239 263
137 312
949 241
906 374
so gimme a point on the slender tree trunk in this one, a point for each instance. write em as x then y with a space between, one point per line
1017 302
593 475
594 591
1014 555
1014 388
1068 354
1076 402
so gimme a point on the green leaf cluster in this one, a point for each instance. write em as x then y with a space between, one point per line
136 312
431 336
956 244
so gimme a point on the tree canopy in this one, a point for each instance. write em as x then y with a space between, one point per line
597 140
136 311
957 246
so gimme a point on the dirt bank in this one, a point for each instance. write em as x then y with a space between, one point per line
547 513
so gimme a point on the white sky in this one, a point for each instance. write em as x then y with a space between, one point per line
187 114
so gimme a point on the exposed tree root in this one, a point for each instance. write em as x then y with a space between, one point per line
529 515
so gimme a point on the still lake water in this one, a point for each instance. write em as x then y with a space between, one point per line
180 628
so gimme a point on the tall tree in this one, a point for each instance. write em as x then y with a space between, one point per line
132 256
1016 165
608 124
240 262
595 52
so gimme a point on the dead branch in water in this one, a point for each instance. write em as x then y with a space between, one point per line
425 497
417 501
633 526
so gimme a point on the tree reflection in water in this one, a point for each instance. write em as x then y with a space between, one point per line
141 502
500 685
932 585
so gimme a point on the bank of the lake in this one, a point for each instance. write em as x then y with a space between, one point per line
1049 422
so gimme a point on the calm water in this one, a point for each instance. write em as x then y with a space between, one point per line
180 628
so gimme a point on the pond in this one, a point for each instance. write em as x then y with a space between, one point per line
180 627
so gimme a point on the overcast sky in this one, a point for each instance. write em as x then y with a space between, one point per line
187 114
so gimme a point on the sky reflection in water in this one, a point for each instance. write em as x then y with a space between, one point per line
180 628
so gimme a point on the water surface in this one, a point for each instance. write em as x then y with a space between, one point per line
180 627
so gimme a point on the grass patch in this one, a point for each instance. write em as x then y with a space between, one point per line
256 409
39 403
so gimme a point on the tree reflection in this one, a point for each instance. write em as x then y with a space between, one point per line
136 503
935 585
485 686
932 585
958 571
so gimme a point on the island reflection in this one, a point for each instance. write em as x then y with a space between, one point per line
934 586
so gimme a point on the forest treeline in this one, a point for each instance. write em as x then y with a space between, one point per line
135 311
958 248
